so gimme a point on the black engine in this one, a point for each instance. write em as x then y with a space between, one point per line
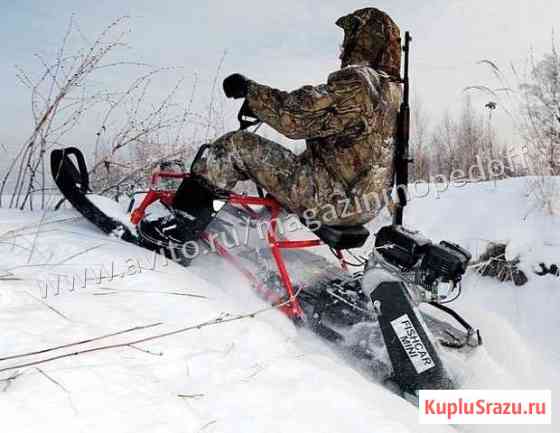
411 252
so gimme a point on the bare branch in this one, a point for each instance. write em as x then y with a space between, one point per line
222 319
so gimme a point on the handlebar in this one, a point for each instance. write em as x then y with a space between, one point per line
245 111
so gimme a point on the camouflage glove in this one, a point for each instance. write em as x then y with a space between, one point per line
236 86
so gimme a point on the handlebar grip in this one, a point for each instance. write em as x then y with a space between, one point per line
245 111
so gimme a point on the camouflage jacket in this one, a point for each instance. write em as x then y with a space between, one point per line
349 124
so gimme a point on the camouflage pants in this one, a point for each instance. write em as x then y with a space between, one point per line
298 183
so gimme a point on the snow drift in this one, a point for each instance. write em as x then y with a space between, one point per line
254 374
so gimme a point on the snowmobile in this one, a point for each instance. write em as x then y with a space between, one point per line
383 298
389 313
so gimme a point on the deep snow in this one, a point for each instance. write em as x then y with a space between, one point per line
253 375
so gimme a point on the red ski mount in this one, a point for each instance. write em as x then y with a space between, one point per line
154 194
290 306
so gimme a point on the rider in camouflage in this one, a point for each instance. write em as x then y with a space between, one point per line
349 125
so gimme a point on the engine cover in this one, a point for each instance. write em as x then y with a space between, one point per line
400 246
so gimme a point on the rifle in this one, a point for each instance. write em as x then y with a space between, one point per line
402 156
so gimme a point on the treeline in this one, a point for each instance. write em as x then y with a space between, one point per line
459 142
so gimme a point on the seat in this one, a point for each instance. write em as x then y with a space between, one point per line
342 237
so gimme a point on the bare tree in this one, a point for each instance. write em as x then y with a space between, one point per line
420 124
541 110
137 130
470 136
59 99
168 130
464 143
445 147
532 101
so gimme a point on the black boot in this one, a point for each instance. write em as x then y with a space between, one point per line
171 231
192 211
194 201
195 197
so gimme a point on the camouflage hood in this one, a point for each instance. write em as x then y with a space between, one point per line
371 37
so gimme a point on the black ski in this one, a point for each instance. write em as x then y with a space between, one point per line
416 362
73 182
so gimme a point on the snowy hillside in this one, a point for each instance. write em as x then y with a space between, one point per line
255 374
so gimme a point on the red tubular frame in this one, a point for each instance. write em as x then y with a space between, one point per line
154 195
293 307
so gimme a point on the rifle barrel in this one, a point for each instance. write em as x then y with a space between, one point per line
402 157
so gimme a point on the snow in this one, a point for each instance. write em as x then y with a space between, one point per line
112 209
256 374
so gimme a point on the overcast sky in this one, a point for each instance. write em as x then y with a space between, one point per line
286 43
